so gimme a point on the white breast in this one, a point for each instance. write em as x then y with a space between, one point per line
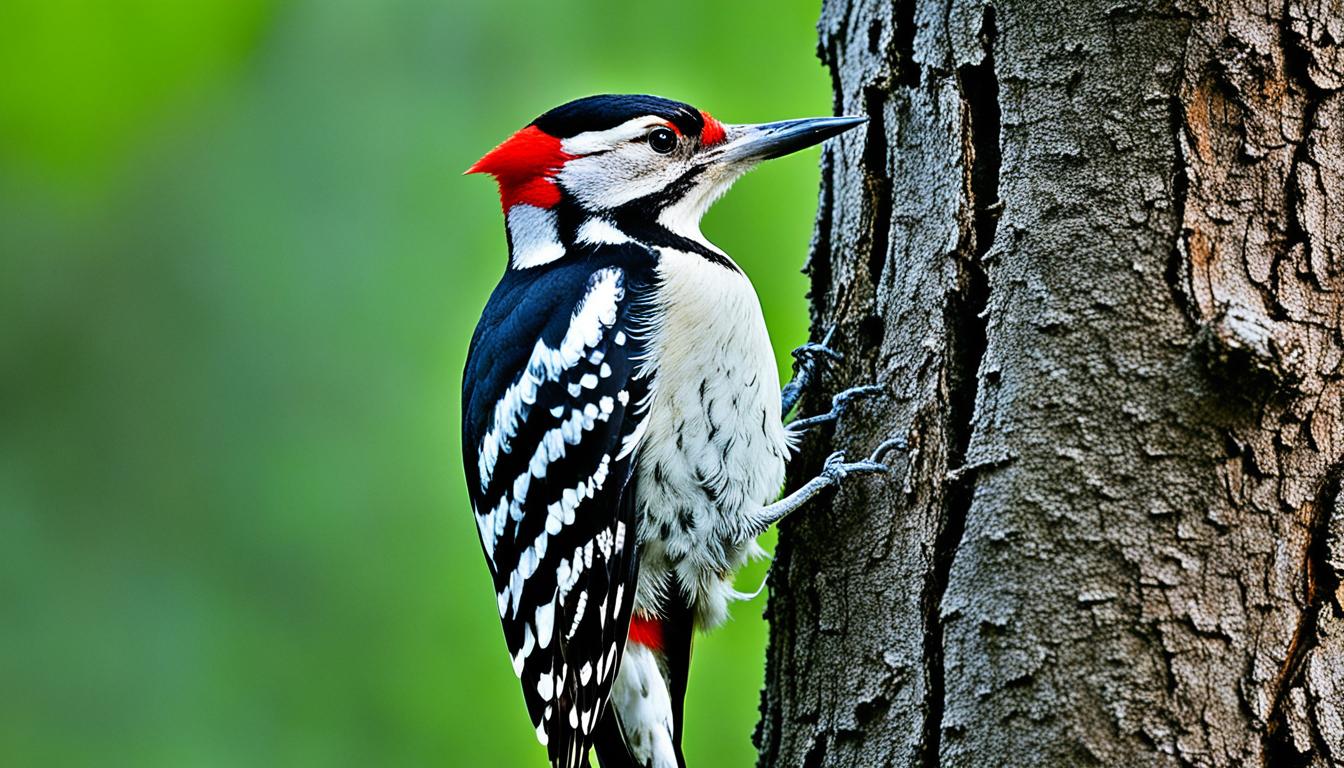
715 447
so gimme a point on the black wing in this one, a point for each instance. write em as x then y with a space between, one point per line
552 401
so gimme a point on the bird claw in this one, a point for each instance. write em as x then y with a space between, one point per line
836 469
839 404
843 399
815 356
833 472
887 446
810 361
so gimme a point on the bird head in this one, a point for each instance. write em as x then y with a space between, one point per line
613 168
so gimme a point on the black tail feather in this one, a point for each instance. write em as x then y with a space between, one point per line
609 742
678 624
678 630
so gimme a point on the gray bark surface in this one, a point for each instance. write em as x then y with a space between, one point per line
1094 250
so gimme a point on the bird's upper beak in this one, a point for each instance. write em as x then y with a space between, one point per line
750 144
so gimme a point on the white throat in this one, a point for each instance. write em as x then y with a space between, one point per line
683 217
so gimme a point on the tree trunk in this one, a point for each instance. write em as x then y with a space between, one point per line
1094 250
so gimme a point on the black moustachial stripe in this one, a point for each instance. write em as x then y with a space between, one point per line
638 220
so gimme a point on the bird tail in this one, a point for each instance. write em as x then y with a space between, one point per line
678 634
609 742
650 695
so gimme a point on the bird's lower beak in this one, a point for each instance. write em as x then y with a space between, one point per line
753 143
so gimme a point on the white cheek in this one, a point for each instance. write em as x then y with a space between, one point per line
616 177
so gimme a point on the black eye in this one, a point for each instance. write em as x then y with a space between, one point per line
662 140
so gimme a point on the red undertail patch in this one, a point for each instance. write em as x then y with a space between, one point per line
647 632
524 166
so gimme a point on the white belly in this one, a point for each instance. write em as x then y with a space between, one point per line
715 447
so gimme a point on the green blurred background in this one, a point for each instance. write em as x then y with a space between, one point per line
239 266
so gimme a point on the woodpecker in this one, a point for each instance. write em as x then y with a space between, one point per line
622 427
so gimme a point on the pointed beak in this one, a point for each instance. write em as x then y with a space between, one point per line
749 144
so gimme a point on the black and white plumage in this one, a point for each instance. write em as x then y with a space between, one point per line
622 424
553 457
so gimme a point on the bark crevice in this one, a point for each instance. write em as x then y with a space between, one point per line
1177 273
816 755
966 323
1297 66
1320 585
905 67
818 264
878 180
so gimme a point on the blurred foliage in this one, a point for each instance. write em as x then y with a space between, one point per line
238 271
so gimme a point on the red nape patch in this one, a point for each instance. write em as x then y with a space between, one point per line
523 165
647 632
713 132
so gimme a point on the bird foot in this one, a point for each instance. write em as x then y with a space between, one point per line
815 357
833 472
810 361
836 469
839 404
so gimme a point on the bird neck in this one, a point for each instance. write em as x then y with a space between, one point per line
534 236
539 236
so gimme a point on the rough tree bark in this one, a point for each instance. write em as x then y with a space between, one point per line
1095 251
